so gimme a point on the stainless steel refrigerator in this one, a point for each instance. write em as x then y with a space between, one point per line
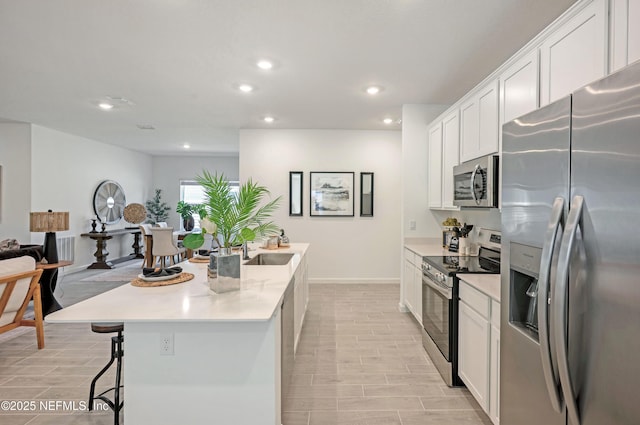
570 319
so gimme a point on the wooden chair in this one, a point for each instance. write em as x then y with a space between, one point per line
18 286
164 245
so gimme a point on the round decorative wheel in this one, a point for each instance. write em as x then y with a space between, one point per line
109 202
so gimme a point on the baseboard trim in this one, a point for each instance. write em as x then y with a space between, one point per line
355 280
402 308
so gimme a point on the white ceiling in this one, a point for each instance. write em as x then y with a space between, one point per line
178 63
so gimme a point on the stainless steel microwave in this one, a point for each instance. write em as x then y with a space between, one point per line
475 183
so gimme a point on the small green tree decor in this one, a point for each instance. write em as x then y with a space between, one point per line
157 209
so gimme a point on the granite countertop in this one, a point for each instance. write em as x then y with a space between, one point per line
488 284
262 289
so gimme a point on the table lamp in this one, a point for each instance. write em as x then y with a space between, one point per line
49 222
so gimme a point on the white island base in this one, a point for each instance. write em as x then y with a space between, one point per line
222 373
224 360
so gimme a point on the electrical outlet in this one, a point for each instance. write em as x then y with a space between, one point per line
412 225
166 344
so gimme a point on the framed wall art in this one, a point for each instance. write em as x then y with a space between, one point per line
366 194
295 193
331 193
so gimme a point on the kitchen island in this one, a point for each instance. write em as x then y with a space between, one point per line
222 363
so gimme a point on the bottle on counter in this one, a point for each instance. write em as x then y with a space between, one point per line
283 240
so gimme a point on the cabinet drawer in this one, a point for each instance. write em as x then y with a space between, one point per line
475 299
495 313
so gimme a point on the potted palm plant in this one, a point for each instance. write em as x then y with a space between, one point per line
186 212
234 220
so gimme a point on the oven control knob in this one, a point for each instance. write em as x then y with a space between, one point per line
427 266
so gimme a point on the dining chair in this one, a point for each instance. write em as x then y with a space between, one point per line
164 245
145 230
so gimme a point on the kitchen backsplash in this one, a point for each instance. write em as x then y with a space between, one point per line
487 218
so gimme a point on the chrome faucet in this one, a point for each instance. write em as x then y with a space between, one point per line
245 251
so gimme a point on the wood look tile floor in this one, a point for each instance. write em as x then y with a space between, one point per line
359 362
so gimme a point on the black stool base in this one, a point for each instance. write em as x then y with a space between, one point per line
116 355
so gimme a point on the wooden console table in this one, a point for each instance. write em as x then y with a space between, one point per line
101 253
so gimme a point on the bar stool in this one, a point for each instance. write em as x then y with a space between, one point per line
116 355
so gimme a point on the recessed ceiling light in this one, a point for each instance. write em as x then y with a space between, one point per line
186 146
387 121
245 88
106 106
264 64
373 89
269 119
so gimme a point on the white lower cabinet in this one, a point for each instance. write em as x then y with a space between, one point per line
417 287
479 348
494 378
473 353
412 283
301 298
408 285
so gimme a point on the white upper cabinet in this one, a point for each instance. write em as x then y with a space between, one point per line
444 147
450 157
625 33
575 54
519 88
435 166
479 123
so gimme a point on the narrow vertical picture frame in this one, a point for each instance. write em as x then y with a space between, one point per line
295 193
366 194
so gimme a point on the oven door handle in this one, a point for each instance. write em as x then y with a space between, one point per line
551 377
431 284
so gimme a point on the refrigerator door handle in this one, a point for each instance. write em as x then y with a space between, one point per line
550 374
473 181
560 306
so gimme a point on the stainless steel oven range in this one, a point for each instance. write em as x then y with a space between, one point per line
440 300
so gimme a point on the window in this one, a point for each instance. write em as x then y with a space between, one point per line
192 193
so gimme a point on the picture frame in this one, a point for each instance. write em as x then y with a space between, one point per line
331 194
295 193
366 194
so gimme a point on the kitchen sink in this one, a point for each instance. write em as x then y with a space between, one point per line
269 260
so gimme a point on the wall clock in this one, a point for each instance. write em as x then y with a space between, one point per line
109 202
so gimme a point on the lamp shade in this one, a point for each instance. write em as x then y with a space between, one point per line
48 221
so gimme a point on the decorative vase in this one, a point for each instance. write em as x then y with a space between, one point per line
188 224
224 271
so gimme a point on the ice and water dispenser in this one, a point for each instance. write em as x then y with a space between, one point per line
523 292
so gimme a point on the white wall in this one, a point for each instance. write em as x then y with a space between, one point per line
343 249
66 170
15 181
415 121
169 170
